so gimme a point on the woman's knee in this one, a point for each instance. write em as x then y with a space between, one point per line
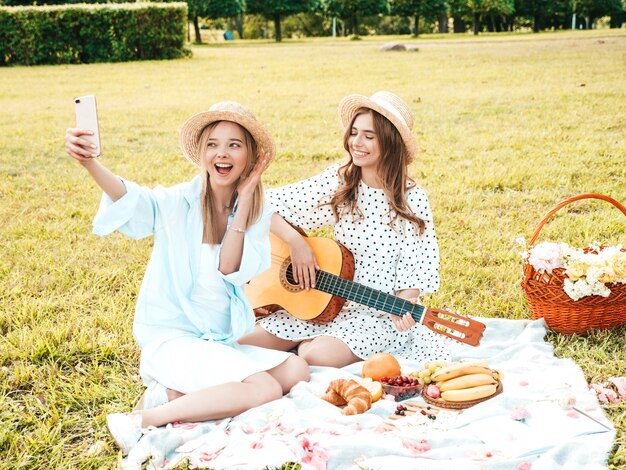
267 387
327 351
290 372
297 369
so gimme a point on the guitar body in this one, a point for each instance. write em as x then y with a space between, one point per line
275 289
272 290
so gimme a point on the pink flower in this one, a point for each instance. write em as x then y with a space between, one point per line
185 426
525 466
415 447
620 384
257 445
381 428
519 414
523 383
314 454
605 395
572 414
285 428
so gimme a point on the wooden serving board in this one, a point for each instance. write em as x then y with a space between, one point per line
413 408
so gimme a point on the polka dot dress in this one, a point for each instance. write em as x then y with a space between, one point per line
388 256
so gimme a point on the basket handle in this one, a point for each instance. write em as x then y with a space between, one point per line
560 205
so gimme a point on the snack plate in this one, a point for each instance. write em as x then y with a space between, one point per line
458 405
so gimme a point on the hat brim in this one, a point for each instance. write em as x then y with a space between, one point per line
352 103
193 127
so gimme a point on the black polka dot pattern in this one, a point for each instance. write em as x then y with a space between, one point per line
388 256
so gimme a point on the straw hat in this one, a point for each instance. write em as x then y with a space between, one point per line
223 111
388 105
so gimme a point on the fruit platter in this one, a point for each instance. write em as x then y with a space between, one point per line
455 385
459 385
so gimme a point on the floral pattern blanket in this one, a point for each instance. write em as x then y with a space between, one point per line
545 418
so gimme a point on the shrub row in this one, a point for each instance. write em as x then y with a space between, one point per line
70 34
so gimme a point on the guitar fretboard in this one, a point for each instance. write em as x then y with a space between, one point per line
355 292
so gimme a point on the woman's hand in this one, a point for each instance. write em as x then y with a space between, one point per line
406 321
303 262
77 147
248 185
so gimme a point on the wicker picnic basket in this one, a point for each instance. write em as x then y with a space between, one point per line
547 299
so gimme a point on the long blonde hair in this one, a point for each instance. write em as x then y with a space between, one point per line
209 211
391 169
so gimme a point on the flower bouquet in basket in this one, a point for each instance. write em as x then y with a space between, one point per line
575 289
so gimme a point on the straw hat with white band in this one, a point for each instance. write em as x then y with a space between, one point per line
223 111
388 105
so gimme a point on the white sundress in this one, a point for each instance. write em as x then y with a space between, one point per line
386 258
188 363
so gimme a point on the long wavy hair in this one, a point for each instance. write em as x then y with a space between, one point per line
391 169
209 211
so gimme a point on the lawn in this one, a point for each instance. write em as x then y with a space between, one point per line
508 126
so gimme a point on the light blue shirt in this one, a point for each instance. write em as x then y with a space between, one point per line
173 215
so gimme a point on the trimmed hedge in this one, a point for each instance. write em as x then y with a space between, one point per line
71 34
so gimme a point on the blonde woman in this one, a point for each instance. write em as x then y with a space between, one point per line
384 218
210 238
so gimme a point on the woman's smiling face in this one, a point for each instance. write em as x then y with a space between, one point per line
226 154
363 142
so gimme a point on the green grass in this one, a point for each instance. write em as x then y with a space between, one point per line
508 126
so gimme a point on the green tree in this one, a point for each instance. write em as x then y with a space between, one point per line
489 9
212 9
428 9
276 9
460 12
350 10
594 9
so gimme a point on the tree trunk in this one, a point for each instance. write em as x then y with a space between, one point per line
238 24
458 24
355 24
498 20
196 27
277 33
476 24
416 26
443 23
616 20
491 26
536 23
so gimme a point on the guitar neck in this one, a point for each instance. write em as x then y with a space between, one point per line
350 290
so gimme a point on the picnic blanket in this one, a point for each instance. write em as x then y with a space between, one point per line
531 424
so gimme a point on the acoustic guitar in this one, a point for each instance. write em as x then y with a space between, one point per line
276 289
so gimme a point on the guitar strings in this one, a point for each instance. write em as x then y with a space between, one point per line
347 289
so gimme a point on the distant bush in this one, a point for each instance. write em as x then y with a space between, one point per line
70 34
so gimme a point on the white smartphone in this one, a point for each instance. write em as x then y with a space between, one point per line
87 118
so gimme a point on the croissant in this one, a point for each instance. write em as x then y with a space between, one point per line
348 392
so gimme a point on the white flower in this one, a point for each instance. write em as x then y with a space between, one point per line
588 273
545 257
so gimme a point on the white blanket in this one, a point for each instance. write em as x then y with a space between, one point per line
303 428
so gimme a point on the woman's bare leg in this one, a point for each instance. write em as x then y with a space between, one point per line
326 351
262 338
290 372
216 402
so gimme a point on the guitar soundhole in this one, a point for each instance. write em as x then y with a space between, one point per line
286 277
